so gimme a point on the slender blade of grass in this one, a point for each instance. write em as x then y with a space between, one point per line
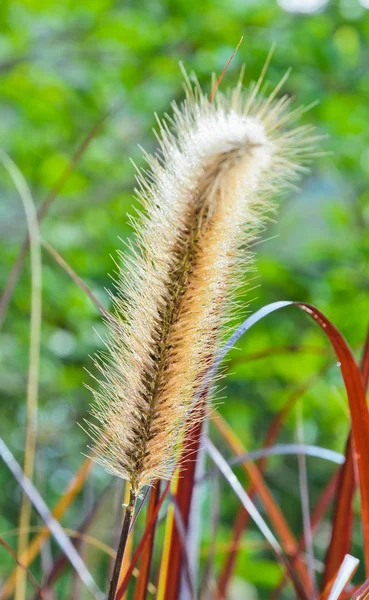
346 571
45 206
208 584
242 516
34 357
227 472
305 504
29 575
257 483
342 525
62 560
62 505
55 528
280 450
141 545
321 507
143 578
363 592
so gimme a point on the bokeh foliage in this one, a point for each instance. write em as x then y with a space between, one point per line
62 64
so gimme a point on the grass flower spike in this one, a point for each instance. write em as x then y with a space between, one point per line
204 197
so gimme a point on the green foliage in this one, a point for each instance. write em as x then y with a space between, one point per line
62 65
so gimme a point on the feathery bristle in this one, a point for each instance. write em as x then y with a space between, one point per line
205 198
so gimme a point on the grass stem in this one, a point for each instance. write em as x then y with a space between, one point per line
126 527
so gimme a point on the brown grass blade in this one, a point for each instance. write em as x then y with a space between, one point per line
73 275
29 575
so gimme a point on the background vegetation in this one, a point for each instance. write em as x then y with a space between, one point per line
62 66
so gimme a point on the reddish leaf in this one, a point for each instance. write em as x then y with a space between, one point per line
342 523
141 545
320 509
242 517
258 485
363 592
357 403
342 526
143 578
355 392
186 481
30 577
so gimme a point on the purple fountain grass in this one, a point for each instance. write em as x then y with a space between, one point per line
205 198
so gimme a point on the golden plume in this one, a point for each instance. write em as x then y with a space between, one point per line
204 197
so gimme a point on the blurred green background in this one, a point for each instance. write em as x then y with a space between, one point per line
62 65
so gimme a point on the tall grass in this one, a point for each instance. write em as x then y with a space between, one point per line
205 198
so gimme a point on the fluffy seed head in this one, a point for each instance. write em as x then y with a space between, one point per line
204 198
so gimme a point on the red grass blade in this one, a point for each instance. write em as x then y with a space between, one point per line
242 517
272 509
320 510
186 481
143 578
141 545
29 575
355 392
363 592
227 472
358 410
342 523
343 518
